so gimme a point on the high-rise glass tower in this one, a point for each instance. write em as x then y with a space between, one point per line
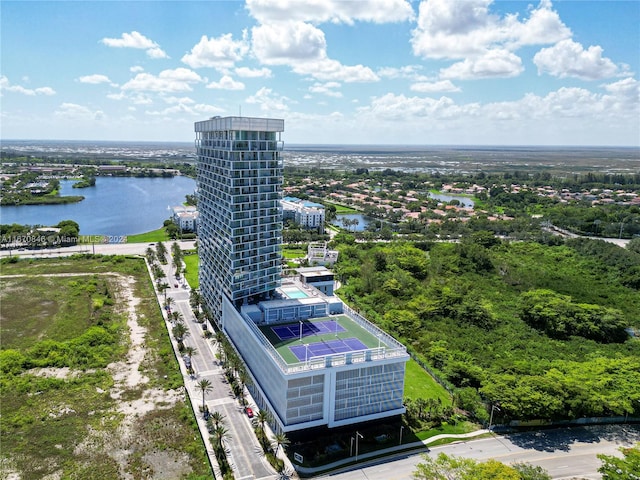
239 179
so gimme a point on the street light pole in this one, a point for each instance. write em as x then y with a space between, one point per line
357 436
493 407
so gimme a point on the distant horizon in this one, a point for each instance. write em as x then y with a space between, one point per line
381 145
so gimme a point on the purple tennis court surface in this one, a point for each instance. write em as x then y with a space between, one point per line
310 327
329 347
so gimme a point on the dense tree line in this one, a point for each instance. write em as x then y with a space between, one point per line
539 329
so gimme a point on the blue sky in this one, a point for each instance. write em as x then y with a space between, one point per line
431 72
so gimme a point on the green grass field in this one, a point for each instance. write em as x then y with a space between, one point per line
293 252
419 384
340 209
159 235
191 272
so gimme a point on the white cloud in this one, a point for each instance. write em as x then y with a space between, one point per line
542 27
465 28
288 42
94 79
269 101
246 72
73 111
485 42
185 108
335 11
326 89
494 63
5 85
221 52
432 87
179 79
136 69
136 40
408 71
628 87
558 117
569 59
226 83
173 100
303 47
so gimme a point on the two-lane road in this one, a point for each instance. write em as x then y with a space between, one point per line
564 453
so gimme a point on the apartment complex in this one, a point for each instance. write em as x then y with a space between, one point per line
186 217
313 362
308 215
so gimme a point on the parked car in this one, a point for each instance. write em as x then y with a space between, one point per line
248 411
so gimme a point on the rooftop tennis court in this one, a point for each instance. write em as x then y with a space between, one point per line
302 340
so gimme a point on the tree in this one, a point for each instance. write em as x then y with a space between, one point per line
262 417
190 352
625 468
176 316
531 472
180 331
217 418
206 386
445 467
281 440
220 433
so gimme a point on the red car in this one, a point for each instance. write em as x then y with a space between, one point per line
248 411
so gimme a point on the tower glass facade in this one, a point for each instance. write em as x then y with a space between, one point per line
239 178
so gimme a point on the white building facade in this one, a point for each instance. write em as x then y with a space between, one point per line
239 177
186 217
308 215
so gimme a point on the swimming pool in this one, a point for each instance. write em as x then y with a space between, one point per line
294 292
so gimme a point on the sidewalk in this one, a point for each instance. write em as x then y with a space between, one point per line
388 452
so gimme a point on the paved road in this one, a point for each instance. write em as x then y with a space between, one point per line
244 453
100 248
564 453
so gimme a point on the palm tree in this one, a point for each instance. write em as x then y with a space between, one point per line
176 316
190 352
281 441
206 386
217 418
169 301
262 417
219 434
163 288
180 331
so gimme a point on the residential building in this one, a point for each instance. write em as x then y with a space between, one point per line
320 254
186 217
240 173
308 215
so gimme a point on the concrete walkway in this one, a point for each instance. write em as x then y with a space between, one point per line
364 458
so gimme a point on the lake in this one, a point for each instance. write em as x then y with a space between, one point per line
115 206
